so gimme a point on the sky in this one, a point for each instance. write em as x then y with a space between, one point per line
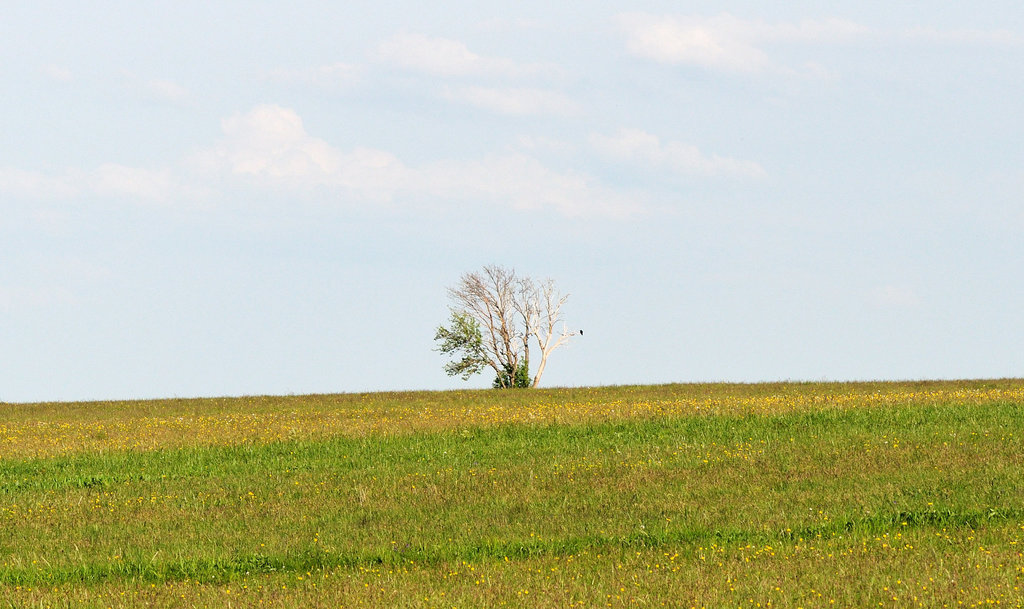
241 198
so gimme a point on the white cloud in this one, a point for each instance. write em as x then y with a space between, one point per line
271 141
107 180
167 90
333 76
158 89
540 142
434 55
270 145
637 146
724 42
526 184
14 298
962 36
58 73
446 57
113 180
894 296
515 23
514 101
35 185
687 41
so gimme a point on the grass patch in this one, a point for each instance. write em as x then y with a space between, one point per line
842 489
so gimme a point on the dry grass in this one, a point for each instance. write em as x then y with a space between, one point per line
47 430
793 495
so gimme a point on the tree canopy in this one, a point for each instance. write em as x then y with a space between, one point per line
495 316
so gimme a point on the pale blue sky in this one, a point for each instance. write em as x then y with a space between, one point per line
246 197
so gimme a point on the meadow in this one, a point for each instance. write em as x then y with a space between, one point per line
713 495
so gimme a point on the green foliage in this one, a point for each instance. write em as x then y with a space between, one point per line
521 379
463 339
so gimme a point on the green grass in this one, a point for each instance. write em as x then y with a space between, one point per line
899 502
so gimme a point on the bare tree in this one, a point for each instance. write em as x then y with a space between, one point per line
495 315
545 302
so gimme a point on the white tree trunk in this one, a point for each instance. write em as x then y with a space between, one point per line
511 312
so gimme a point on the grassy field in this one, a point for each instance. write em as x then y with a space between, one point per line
771 495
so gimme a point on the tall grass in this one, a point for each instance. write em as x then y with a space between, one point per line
784 495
